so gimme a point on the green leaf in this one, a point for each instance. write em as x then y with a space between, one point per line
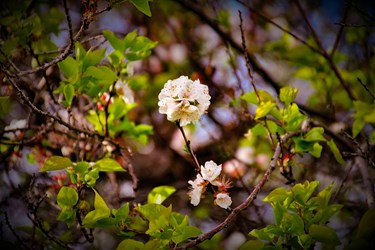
264 233
69 67
130 244
69 94
56 163
142 6
263 109
251 97
305 240
358 124
67 197
117 43
100 211
323 234
288 95
279 194
92 58
279 211
80 51
336 152
252 244
102 73
67 215
122 213
81 167
292 224
108 165
366 227
315 134
316 151
303 192
160 194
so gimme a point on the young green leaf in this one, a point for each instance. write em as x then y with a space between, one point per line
108 165
69 67
56 163
69 94
288 95
336 152
323 234
130 244
142 6
159 194
263 109
101 211
67 197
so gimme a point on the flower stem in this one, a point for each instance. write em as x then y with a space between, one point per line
195 160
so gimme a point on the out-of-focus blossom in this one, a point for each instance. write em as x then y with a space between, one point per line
198 187
223 200
234 168
210 171
246 154
184 100
14 125
124 92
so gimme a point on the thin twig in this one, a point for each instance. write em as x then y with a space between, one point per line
69 20
13 231
195 160
301 40
366 88
324 52
41 112
62 56
339 34
246 203
226 37
247 58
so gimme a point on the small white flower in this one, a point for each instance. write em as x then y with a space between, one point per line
197 188
15 124
124 92
223 200
184 100
210 171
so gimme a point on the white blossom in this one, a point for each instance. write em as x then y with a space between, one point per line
184 100
124 92
15 124
223 200
210 171
197 188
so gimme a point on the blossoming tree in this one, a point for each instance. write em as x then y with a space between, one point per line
186 124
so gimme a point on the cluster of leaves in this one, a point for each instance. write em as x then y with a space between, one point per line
286 118
300 219
164 227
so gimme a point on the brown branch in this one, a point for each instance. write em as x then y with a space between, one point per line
247 59
41 112
324 52
246 203
301 40
226 37
13 231
366 88
69 20
339 34
68 50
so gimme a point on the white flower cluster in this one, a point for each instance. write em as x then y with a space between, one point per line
14 125
184 100
210 173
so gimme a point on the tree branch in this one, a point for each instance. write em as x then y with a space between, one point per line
246 203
